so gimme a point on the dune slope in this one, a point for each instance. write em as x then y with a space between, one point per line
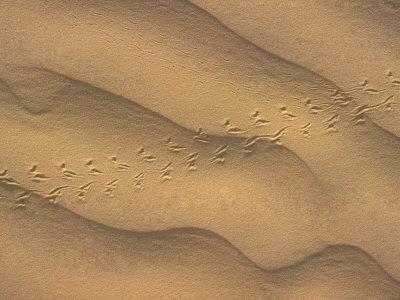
221 159
43 258
353 43
122 165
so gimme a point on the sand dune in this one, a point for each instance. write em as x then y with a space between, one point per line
353 43
45 259
186 56
155 117
210 66
152 184
112 161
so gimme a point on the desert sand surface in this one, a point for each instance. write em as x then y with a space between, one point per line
353 43
178 150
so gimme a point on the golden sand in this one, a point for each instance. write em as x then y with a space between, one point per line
160 149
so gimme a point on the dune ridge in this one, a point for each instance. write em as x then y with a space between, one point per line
83 115
352 43
177 263
206 61
150 116
133 169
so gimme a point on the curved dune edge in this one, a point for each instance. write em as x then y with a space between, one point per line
187 56
352 43
43 258
342 190
50 120
66 133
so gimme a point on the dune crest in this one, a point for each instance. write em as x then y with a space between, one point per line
122 165
352 43
154 149
97 261
155 175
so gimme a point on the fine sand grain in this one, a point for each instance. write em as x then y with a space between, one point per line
160 149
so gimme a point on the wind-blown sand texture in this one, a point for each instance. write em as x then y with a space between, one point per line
150 150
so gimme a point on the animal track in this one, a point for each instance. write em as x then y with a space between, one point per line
110 187
306 129
118 165
35 175
67 174
340 100
359 112
388 103
191 161
314 109
230 129
191 166
273 138
222 149
166 176
166 171
286 113
53 194
278 134
258 121
167 167
219 158
82 191
364 86
22 198
250 142
6 179
220 154
173 146
146 157
138 179
331 122
393 80
92 169
201 137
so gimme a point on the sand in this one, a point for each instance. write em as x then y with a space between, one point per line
353 43
150 150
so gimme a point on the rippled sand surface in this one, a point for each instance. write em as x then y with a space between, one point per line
179 150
